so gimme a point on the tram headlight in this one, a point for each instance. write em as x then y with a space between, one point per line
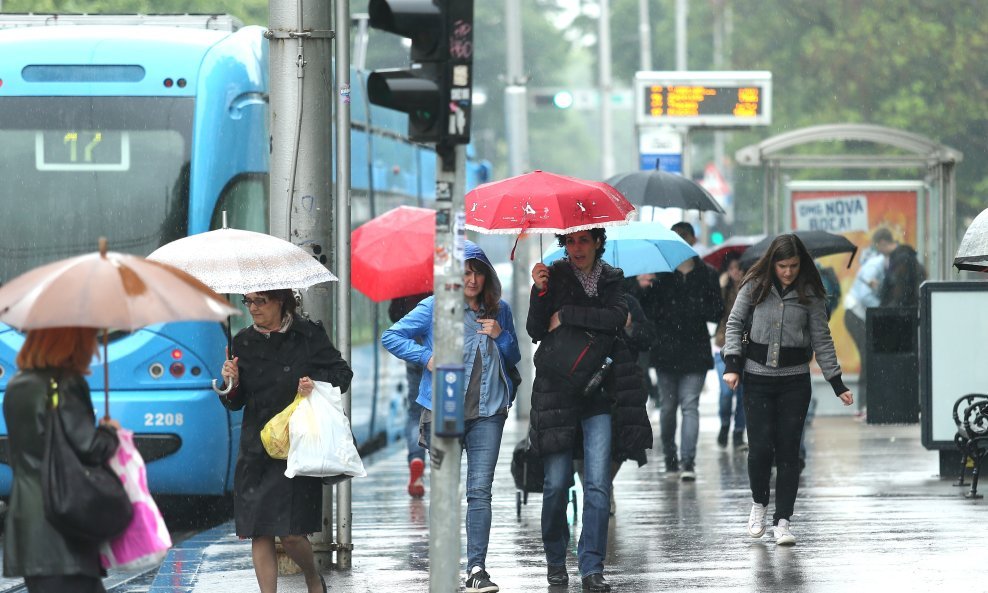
156 370
177 369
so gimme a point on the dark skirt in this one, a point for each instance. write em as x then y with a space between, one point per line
266 503
64 583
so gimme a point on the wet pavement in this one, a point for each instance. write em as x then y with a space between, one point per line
871 515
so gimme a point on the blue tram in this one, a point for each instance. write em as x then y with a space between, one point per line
143 130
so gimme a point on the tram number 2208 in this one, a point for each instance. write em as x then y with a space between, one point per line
161 419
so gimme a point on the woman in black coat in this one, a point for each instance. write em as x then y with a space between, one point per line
279 355
33 548
587 293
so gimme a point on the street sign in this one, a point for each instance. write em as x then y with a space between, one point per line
660 147
711 99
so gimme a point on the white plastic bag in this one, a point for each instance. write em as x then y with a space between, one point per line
320 440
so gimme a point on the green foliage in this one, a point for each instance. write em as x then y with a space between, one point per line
917 65
251 12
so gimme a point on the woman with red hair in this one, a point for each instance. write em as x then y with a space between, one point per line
52 364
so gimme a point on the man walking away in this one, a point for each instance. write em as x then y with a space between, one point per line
680 304
904 275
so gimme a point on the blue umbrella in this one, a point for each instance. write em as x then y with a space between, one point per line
639 248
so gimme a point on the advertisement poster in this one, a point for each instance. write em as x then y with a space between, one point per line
856 214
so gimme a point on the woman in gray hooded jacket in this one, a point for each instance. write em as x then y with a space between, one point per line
784 298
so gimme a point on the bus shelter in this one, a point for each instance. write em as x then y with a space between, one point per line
896 149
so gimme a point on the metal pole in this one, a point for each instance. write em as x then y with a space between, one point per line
644 36
344 509
445 452
606 123
516 120
301 191
682 10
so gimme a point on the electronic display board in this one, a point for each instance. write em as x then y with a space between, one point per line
704 99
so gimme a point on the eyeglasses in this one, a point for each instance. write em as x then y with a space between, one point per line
258 302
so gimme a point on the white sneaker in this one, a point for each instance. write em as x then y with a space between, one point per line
783 536
756 520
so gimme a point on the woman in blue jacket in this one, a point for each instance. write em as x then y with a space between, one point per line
490 349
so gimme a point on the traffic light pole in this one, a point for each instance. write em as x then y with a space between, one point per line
448 377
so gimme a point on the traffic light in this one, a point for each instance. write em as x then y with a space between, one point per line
435 91
560 99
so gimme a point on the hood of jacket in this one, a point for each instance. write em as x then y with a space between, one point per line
473 251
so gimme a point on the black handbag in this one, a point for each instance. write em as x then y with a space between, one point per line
746 332
82 501
572 355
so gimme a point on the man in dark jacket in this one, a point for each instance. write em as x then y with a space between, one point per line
904 274
398 308
680 304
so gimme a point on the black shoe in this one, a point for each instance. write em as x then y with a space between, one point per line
672 464
595 583
557 575
738 441
722 436
480 582
689 472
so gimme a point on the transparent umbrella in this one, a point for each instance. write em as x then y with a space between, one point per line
234 261
973 252
237 262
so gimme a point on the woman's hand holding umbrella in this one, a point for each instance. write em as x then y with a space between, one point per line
540 275
230 372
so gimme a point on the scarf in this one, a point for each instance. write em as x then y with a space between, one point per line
589 281
286 322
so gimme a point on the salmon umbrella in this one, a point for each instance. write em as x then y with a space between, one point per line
391 255
107 290
541 202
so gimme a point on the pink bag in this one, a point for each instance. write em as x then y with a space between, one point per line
146 540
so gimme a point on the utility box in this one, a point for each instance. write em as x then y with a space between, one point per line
892 373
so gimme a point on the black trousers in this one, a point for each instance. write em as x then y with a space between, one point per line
775 408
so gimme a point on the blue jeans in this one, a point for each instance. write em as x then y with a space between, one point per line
727 399
413 374
680 390
596 498
481 442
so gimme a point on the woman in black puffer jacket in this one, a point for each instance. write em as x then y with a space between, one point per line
585 292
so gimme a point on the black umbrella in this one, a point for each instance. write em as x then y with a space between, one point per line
973 253
817 243
664 190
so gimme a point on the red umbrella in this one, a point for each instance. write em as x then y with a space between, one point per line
392 254
736 244
543 202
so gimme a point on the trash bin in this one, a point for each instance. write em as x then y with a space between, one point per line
892 372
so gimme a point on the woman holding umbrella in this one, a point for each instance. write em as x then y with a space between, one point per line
611 422
280 355
782 301
490 351
33 548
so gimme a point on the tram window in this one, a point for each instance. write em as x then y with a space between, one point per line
245 201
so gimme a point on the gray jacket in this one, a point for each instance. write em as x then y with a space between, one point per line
782 323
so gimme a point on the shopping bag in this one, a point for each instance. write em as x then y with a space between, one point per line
146 540
274 435
321 443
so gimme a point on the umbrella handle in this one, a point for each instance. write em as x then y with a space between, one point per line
222 391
